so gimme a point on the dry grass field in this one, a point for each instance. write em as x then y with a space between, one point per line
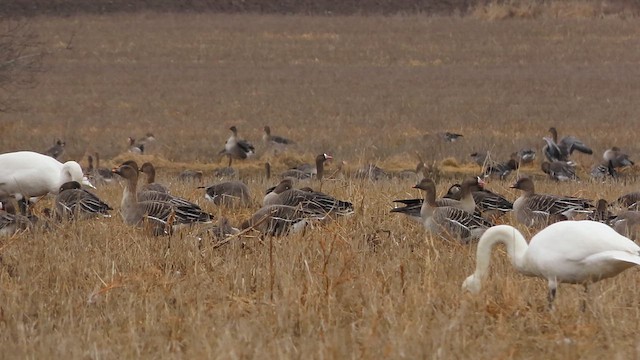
365 89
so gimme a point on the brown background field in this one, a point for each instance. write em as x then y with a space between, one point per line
366 89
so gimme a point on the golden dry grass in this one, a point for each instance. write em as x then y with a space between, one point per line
366 89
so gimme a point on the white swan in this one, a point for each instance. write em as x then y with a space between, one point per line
25 174
575 252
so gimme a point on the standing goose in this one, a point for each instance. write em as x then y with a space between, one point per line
56 150
275 142
145 194
236 148
228 193
574 252
100 175
560 151
73 202
26 174
447 220
560 170
538 210
307 172
161 215
150 184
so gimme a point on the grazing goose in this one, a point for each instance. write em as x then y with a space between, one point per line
279 220
459 196
191 175
150 171
10 221
604 170
630 201
306 171
236 148
228 193
626 223
479 157
447 220
616 158
285 194
525 156
560 170
26 174
573 252
560 151
501 171
219 231
73 202
100 175
449 136
56 150
538 210
161 215
371 172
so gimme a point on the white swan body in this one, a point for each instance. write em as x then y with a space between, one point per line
576 252
25 174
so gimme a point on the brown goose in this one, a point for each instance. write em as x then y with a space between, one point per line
150 171
285 194
560 170
538 210
136 148
100 175
162 216
560 151
275 142
278 220
56 150
448 221
601 213
10 221
627 223
73 202
228 193
191 175
236 148
489 205
617 158
463 200
307 172
630 201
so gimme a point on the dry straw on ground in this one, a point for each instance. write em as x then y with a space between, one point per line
366 89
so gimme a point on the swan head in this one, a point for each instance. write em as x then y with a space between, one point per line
472 284
71 171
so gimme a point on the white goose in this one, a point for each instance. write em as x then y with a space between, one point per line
27 174
574 252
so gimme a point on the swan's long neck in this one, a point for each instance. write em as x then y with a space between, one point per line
513 240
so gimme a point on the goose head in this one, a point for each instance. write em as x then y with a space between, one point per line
525 184
69 185
284 185
267 130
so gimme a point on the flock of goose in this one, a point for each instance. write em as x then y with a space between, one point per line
565 250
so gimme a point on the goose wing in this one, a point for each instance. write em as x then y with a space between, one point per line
569 144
